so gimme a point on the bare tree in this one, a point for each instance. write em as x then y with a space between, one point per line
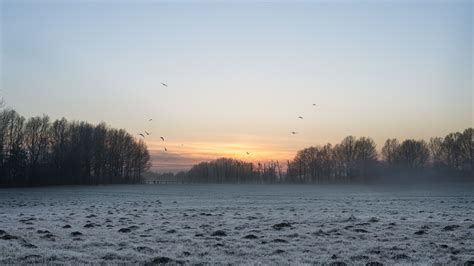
345 153
366 157
435 146
39 152
36 144
59 142
453 156
467 150
390 150
413 153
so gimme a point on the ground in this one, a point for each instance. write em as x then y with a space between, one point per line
240 224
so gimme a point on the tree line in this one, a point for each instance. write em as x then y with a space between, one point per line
37 151
357 160
226 170
351 160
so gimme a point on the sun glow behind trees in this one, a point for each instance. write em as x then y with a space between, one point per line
388 69
353 160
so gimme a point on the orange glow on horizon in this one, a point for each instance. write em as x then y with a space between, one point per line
218 150
182 155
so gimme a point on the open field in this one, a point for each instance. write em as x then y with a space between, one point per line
237 224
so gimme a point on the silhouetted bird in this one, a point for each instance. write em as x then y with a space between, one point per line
147 133
314 104
150 119
164 84
300 117
162 138
166 149
248 153
293 132
143 136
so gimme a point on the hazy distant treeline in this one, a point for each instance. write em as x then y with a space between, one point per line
234 171
351 160
356 159
37 151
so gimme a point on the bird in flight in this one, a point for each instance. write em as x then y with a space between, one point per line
147 133
143 136
248 153
300 117
314 104
162 138
150 119
294 133
164 84
166 149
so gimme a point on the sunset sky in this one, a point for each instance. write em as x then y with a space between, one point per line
240 73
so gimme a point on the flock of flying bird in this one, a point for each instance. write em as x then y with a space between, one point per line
300 117
151 119
148 134
163 139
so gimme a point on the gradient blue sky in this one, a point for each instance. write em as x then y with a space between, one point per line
239 74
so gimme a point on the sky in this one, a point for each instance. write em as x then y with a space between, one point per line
239 73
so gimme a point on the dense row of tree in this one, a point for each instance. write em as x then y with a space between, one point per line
37 151
347 161
357 159
351 160
227 170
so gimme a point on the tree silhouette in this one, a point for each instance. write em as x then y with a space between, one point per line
351 160
38 152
